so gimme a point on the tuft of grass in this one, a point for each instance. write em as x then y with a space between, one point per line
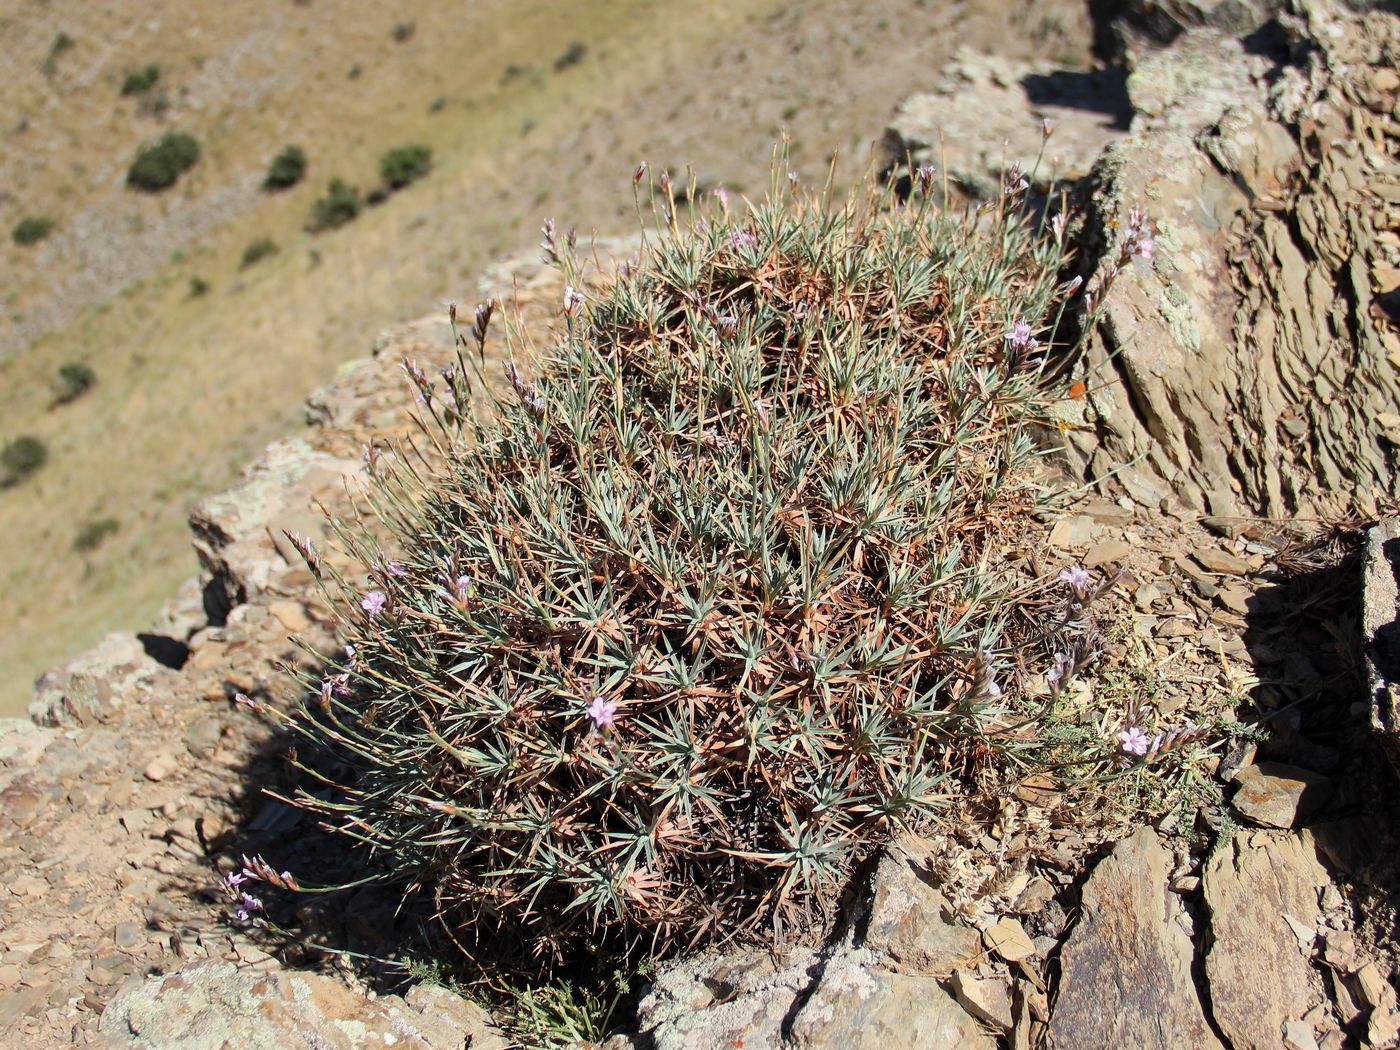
157 166
403 32
559 1015
404 165
340 205
677 632
139 81
94 533
61 43
31 230
572 56
198 286
257 251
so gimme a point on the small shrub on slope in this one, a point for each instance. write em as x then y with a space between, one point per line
339 206
406 164
157 167
286 169
31 230
140 81
74 380
20 458
257 251
709 609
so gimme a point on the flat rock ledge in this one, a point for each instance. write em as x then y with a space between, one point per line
1126 969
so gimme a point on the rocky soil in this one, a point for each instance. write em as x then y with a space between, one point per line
1258 912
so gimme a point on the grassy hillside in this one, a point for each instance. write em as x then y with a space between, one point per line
531 109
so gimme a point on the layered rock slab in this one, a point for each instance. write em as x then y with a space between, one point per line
1261 890
1126 967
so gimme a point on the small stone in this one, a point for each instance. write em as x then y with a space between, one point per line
988 1001
1214 560
1307 935
291 614
1235 598
1278 795
1106 551
211 825
1227 527
159 768
1383 1027
1320 1016
203 736
1074 531
1034 897
1037 790
1008 939
1374 991
9 975
29 885
1185 884
1109 513
20 1003
1298 1035
1385 79
1145 595
1176 627
128 935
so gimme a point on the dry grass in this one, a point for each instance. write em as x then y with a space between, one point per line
189 388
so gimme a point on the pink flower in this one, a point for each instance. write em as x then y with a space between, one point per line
743 239
1020 336
1077 577
573 300
1134 741
395 568
374 602
603 712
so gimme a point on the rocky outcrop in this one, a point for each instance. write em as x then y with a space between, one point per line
1124 32
988 113
239 535
95 687
842 997
1251 365
210 1005
1126 968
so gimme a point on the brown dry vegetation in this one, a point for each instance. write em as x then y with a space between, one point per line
190 387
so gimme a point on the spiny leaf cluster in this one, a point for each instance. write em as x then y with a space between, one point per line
747 512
